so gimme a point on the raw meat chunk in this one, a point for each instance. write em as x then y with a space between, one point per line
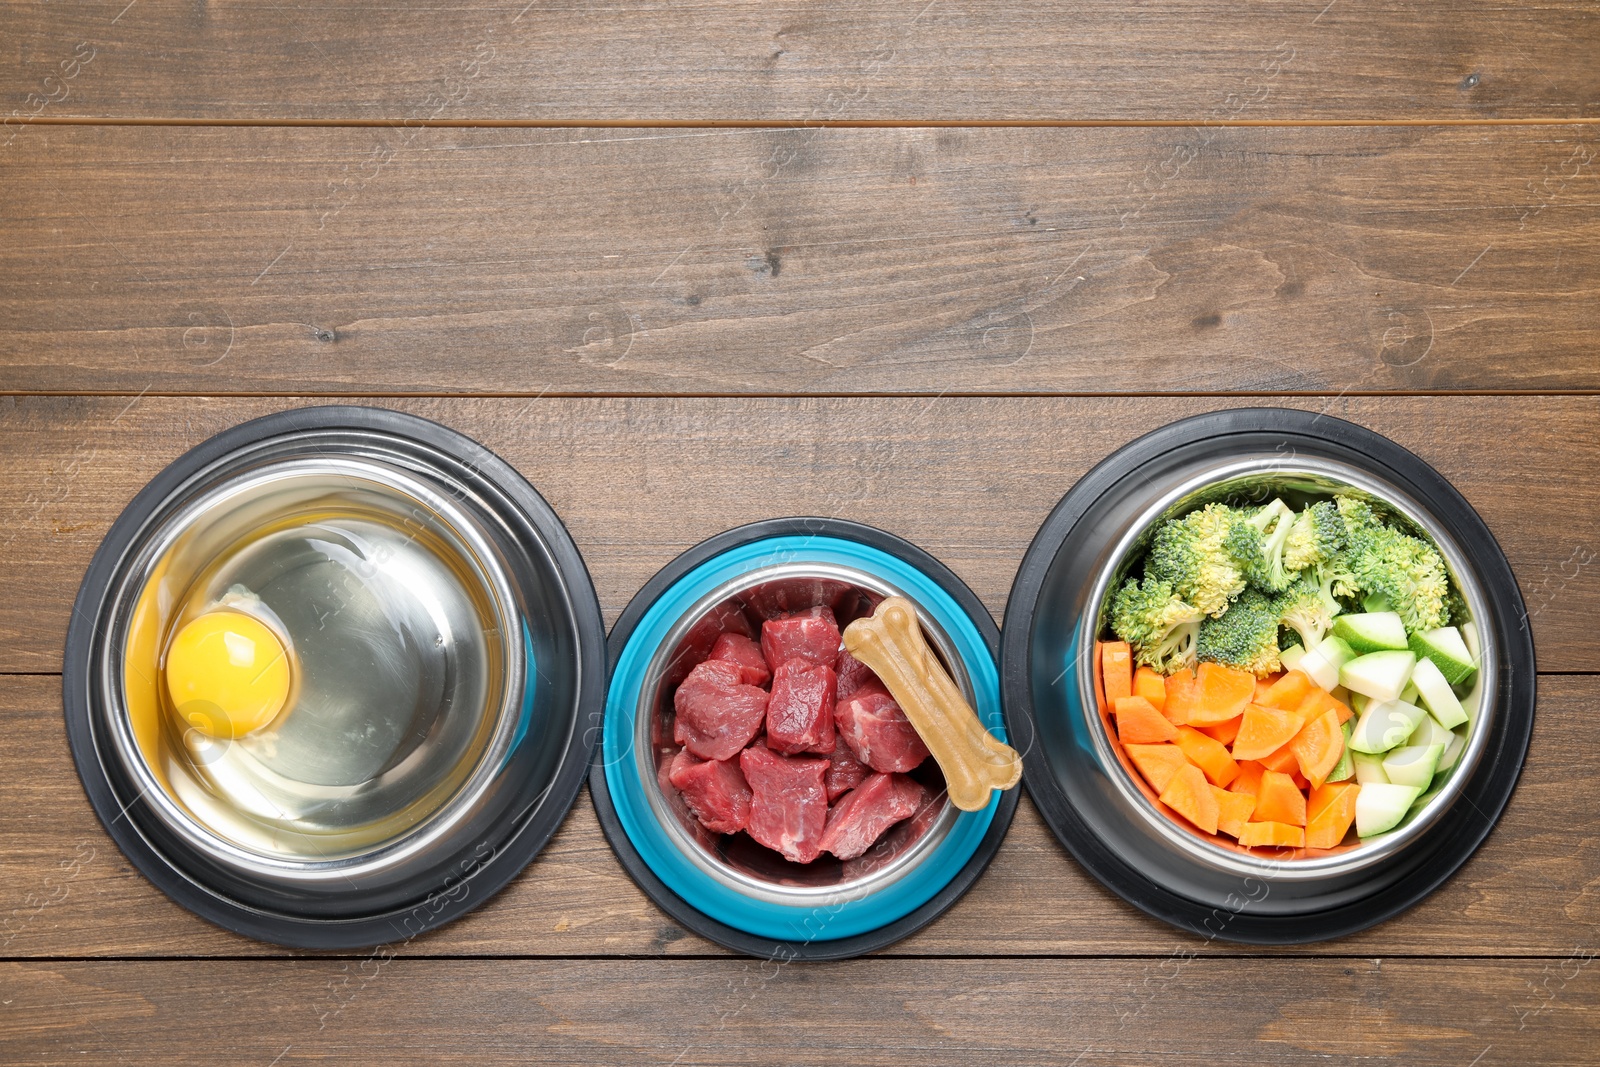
864 813
877 731
717 715
727 617
715 791
786 596
788 802
812 635
745 654
845 772
800 710
852 673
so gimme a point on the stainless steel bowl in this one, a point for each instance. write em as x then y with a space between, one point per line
1089 797
729 889
446 652
738 862
1259 478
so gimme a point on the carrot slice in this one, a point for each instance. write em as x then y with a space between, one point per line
1264 731
1249 780
1224 693
1209 754
1189 795
1150 685
1234 810
1272 835
1332 810
1281 760
1265 684
1117 663
1318 701
1158 763
1224 732
1279 800
1139 723
1318 746
1183 696
1287 692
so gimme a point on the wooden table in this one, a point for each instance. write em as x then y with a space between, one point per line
920 264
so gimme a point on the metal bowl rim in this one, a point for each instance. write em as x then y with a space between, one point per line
762 889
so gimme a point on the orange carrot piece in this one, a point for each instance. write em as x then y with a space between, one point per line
1263 685
1158 763
1249 779
1183 696
1117 661
1264 731
1272 835
1281 760
1332 810
1234 810
1139 723
1224 693
1318 701
1279 800
1209 754
1189 795
1287 692
1318 746
1224 732
1150 685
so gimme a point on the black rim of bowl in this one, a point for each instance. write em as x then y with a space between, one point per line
1447 845
698 921
488 863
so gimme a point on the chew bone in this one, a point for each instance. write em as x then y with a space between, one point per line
973 761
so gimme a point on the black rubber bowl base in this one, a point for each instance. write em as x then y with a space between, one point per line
1037 625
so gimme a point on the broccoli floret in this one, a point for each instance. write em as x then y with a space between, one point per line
1246 636
1357 514
1264 567
1455 606
1405 570
1316 537
1302 609
1336 580
1191 555
1161 627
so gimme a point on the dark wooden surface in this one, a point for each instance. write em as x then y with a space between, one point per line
777 261
796 61
675 311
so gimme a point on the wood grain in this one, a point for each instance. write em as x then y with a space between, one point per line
969 479
934 1012
1534 888
907 60
398 260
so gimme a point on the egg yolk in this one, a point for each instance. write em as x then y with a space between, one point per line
228 674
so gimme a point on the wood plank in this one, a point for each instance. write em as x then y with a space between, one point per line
969 479
508 60
865 1012
1534 887
770 261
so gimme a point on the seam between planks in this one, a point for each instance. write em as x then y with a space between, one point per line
801 124
948 394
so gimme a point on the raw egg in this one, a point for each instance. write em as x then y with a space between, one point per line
228 673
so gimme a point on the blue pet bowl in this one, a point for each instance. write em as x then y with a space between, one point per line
727 889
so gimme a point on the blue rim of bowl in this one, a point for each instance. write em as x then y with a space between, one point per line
647 852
